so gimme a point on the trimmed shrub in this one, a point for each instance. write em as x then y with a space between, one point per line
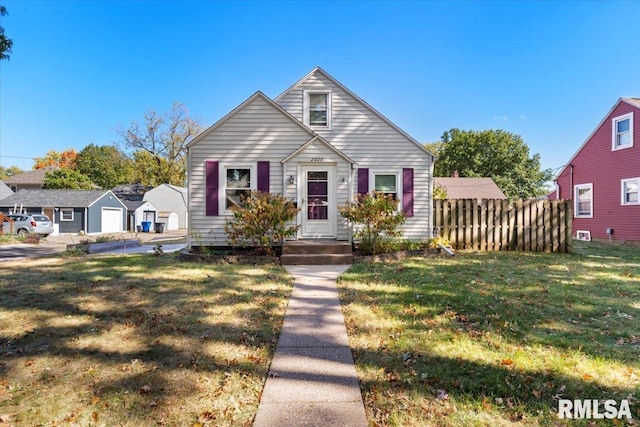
376 217
261 222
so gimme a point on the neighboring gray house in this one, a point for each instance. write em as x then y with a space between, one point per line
5 191
170 198
469 188
30 180
72 211
139 211
319 145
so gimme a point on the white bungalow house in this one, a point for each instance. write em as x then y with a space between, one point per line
319 145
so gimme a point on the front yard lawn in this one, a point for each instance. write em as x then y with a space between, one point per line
494 339
136 341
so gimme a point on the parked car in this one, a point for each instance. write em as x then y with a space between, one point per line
25 224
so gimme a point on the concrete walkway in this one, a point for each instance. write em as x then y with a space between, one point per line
312 380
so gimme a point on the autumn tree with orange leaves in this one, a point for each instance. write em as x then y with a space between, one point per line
60 159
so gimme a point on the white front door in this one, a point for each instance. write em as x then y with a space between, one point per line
318 201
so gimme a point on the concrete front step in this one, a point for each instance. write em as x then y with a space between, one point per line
316 259
301 247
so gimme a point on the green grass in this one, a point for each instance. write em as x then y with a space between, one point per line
494 338
136 340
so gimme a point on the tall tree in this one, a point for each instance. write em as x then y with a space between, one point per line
163 137
10 171
5 43
105 165
66 179
61 159
498 154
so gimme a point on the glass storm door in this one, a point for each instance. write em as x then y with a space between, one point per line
318 206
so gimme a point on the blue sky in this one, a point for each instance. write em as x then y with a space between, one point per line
548 71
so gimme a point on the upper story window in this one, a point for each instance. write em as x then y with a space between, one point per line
622 132
583 199
630 191
317 109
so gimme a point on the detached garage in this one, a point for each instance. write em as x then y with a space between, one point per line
72 211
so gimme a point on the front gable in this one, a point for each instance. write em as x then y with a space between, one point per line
276 147
354 126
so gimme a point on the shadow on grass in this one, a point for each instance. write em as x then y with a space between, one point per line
147 329
536 306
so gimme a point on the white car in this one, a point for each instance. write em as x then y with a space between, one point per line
25 224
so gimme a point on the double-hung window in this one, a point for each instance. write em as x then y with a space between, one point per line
387 184
66 214
622 132
317 109
583 199
238 185
630 191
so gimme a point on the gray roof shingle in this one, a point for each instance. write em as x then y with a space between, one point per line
32 177
53 198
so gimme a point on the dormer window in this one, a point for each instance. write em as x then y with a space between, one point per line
317 109
623 132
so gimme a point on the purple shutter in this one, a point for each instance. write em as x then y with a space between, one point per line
407 191
263 176
211 203
363 181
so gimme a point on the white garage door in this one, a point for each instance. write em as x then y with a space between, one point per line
111 220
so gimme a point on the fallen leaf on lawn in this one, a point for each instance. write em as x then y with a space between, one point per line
485 403
537 393
506 362
4 418
442 395
94 400
145 389
94 416
587 377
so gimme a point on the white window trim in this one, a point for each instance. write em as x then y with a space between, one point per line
575 200
399 189
623 183
305 108
62 210
222 178
584 235
614 132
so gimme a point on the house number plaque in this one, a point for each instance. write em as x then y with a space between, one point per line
317 159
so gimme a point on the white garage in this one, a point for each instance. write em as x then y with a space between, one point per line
112 220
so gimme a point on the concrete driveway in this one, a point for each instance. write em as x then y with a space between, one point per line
54 245
24 250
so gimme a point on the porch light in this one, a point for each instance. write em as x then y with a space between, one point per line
291 179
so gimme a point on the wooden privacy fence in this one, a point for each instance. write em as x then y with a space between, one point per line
502 225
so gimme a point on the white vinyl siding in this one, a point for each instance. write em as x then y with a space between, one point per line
371 142
257 132
583 201
622 132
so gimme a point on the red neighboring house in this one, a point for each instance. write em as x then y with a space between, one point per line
603 176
